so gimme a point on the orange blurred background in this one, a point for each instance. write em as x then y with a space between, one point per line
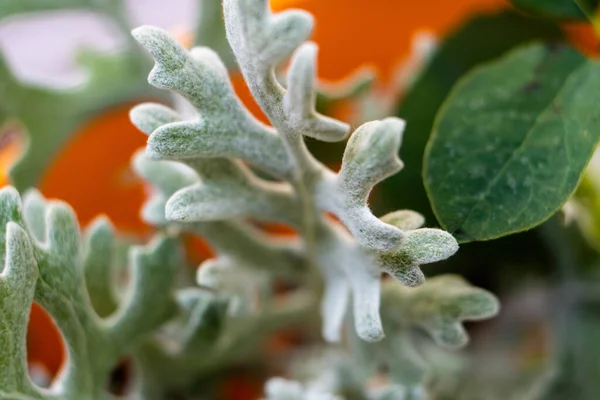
92 170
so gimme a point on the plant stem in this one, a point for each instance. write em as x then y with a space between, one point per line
303 177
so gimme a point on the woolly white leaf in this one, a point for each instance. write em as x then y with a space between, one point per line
283 389
420 246
225 199
211 138
246 246
199 82
238 282
10 210
333 306
440 306
410 275
154 268
299 100
213 273
370 156
167 176
348 270
59 264
149 116
406 220
253 31
425 246
34 211
223 133
223 128
98 266
17 287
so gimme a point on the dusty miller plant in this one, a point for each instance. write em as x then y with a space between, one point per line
213 175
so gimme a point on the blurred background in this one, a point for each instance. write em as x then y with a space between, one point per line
69 73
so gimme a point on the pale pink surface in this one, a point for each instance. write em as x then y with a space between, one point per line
40 47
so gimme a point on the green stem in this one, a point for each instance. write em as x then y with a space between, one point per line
161 370
304 176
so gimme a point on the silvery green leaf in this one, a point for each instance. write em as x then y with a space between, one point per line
17 287
227 274
229 189
206 321
153 211
201 83
406 220
235 280
223 127
51 269
299 100
229 198
247 246
34 211
206 137
167 177
148 117
370 156
261 40
426 245
439 307
217 141
98 266
215 273
10 210
420 246
283 389
334 305
154 268
349 272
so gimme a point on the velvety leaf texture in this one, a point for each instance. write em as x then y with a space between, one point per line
511 142
216 172
228 191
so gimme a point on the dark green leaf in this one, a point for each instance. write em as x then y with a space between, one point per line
512 140
563 9
480 40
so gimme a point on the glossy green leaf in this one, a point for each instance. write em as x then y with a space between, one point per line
479 40
563 9
512 140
